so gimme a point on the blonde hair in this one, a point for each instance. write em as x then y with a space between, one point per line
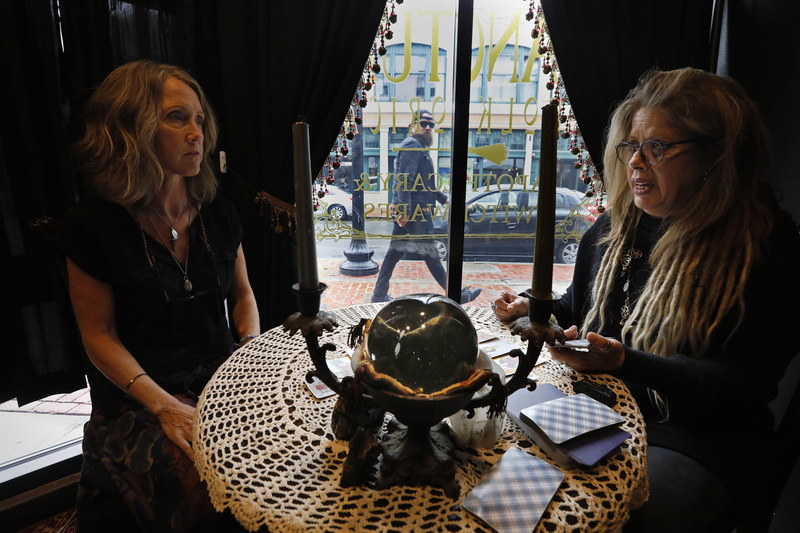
701 263
117 152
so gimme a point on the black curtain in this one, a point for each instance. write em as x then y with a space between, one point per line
759 49
41 350
602 49
264 66
280 63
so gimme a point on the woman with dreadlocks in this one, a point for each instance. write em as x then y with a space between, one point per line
674 290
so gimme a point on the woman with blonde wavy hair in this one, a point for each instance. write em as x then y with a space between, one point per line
155 266
674 288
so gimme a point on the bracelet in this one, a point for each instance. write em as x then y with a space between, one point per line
246 338
137 376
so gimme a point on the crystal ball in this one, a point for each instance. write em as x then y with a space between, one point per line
425 341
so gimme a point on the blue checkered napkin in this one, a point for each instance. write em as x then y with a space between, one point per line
565 418
514 494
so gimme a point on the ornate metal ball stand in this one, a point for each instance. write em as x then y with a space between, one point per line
418 447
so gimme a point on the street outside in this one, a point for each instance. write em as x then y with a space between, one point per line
334 243
331 247
412 276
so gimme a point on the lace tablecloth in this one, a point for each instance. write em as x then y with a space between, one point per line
265 447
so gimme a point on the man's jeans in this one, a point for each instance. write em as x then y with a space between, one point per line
400 247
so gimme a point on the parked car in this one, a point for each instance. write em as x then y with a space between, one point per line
337 202
501 226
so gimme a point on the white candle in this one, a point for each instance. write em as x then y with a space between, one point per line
304 210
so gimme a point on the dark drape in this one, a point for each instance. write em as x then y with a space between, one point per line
283 62
41 351
602 49
264 65
759 49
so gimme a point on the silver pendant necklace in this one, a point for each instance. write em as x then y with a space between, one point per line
187 285
173 233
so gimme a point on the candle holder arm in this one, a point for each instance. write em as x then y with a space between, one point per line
312 323
536 328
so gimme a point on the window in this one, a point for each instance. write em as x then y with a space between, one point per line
370 139
504 140
507 77
408 76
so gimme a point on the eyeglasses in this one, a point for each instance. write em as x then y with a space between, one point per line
652 151
426 124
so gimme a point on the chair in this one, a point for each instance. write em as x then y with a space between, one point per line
758 520
47 228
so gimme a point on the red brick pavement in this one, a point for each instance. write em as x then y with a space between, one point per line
74 403
413 277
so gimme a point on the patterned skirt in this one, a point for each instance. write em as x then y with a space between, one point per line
134 478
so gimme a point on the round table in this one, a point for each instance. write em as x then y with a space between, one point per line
265 448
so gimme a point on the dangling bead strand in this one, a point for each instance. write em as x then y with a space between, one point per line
627 258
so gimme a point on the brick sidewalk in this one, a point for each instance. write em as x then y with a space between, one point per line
74 403
411 277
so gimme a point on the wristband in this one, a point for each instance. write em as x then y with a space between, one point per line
137 376
246 338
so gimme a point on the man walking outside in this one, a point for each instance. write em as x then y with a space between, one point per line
416 194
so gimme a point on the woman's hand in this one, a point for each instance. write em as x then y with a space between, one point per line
571 333
604 354
509 306
176 420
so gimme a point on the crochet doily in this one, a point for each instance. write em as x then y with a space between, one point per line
265 448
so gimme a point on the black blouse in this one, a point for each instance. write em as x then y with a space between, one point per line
718 404
170 332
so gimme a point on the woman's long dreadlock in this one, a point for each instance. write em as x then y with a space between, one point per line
701 263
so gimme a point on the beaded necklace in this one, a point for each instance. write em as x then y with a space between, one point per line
628 257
